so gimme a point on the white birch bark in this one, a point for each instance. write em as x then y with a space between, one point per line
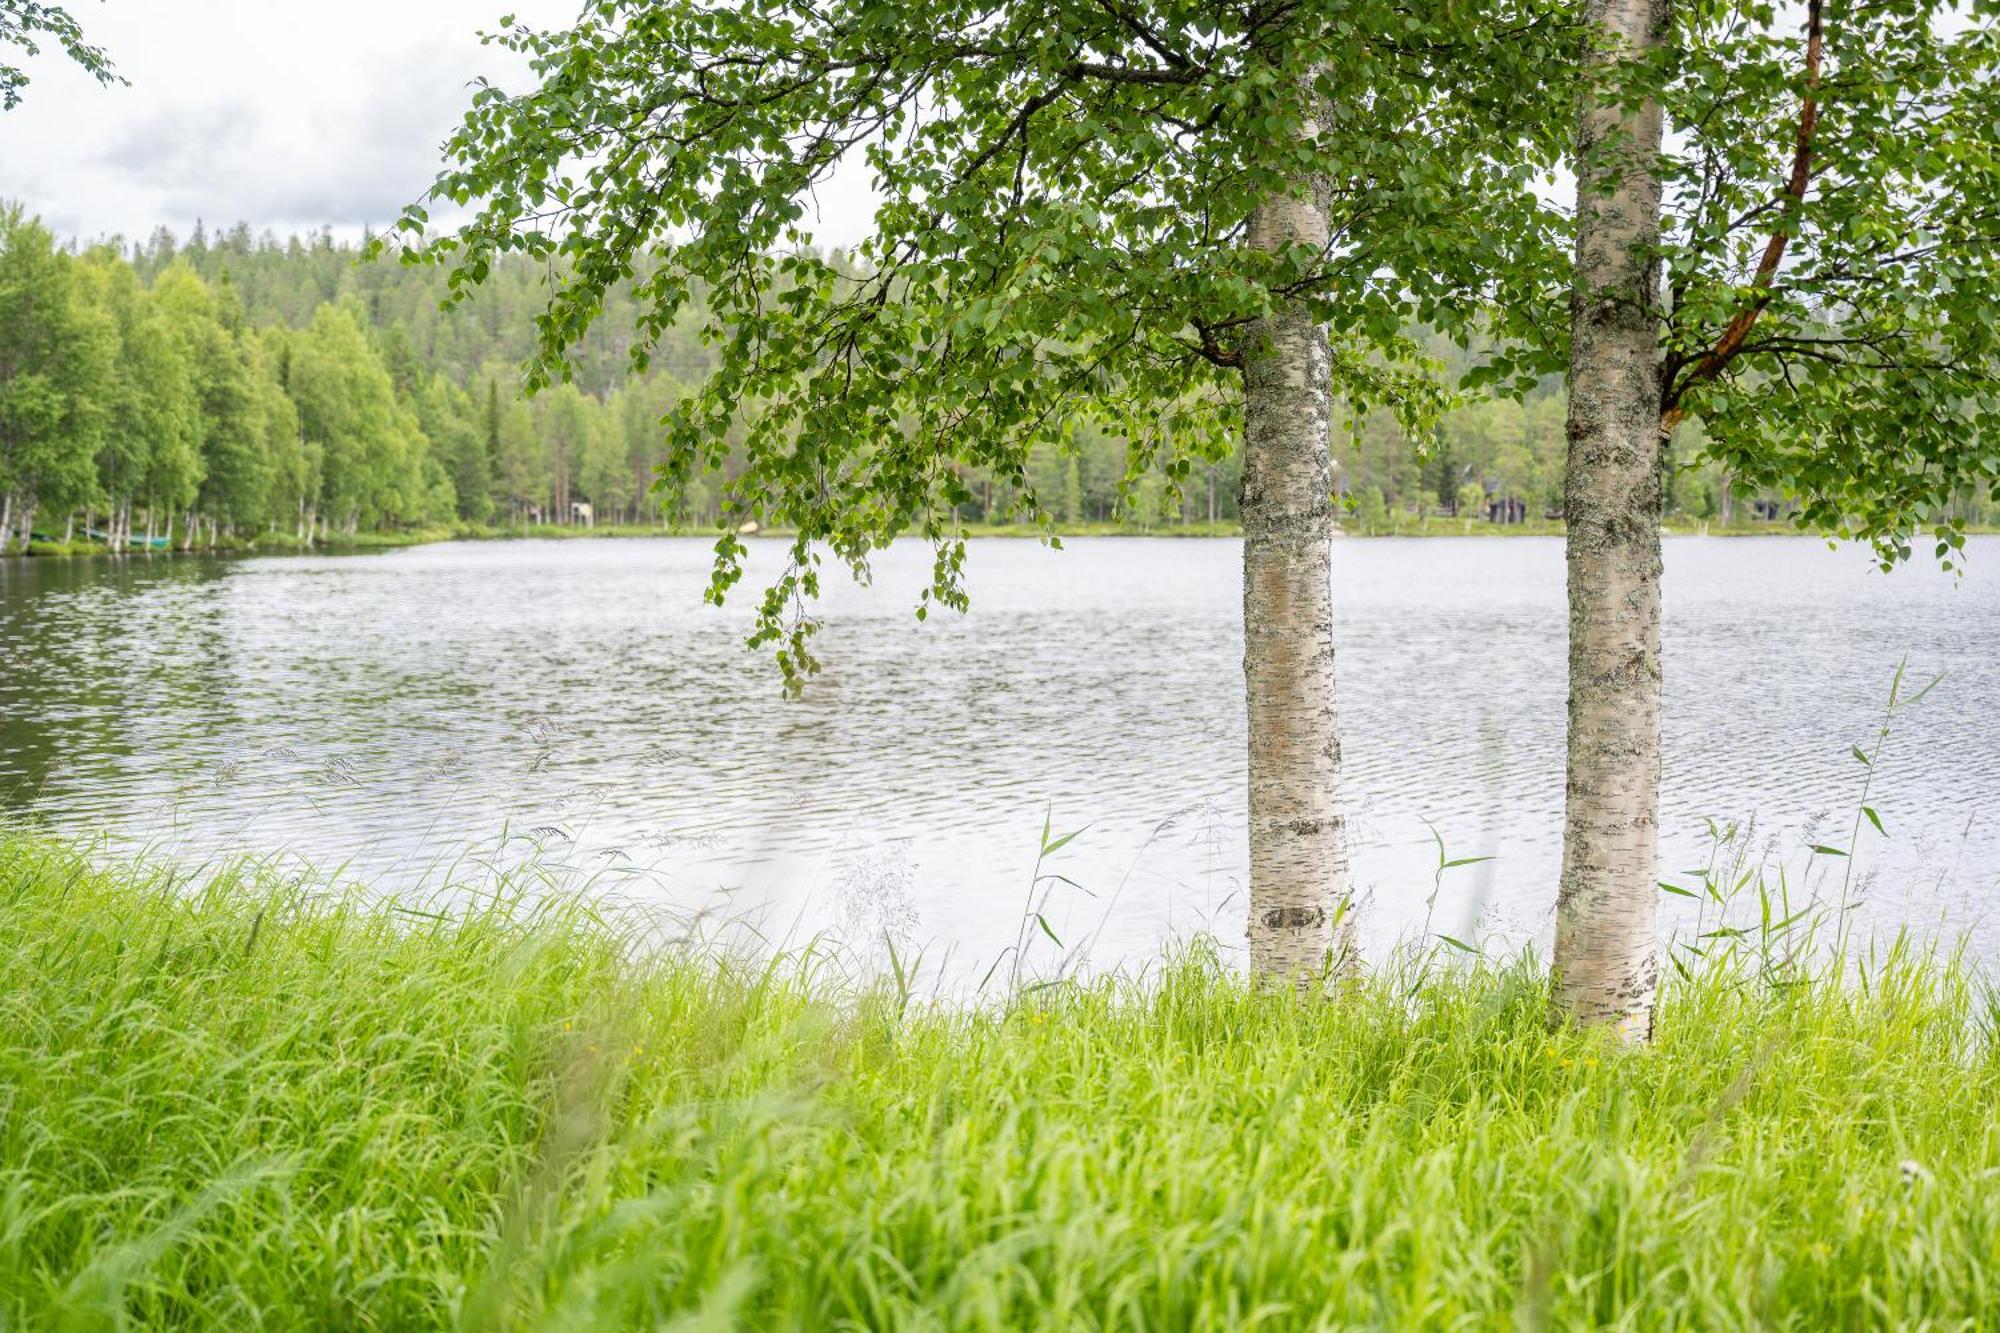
1606 950
1299 884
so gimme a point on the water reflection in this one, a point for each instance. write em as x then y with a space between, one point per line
386 711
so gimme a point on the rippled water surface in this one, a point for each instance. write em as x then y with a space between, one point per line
388 711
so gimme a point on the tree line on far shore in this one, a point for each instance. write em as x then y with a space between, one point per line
233 387
170 397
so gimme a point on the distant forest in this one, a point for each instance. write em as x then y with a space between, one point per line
233 386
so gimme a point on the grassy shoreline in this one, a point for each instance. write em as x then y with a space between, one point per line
380 541
226 1103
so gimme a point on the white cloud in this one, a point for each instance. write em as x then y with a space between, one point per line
286 114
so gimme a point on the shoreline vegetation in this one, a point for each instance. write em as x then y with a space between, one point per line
231 385
231 1101
338 543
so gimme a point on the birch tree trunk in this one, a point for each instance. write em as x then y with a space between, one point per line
1606 951
1299 886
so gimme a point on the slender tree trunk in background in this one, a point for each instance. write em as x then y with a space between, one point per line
1606 951
6 519
1298 838
27 521
69 528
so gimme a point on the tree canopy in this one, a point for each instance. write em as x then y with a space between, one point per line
1829 267
1066 189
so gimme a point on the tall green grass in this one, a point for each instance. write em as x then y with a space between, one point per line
235 1105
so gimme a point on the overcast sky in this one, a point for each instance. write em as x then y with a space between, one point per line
287 114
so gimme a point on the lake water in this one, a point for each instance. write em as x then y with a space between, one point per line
390 712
